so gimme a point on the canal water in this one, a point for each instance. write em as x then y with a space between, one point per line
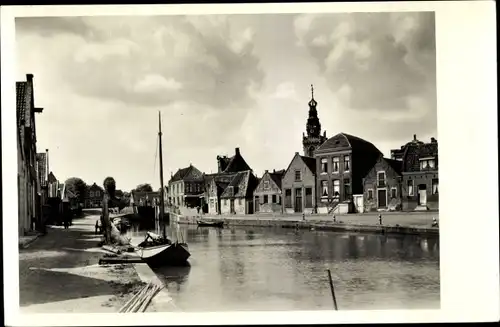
248 268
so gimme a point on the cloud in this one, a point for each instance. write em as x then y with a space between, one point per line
208 56
382 64
285 90
383 57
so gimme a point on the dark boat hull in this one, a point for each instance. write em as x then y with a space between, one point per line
218 224
175 254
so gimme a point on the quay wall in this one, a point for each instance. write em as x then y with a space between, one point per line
320 223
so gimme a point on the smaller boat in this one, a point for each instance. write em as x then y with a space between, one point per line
205 223
158 251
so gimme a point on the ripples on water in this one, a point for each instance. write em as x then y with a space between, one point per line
245 268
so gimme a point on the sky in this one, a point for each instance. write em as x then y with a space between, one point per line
221 82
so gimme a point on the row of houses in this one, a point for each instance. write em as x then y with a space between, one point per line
340 174
36 184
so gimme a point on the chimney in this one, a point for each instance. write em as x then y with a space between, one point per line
324 133
274 171
266 171
414 137
237 151
296 153
29 77
433 140
47 163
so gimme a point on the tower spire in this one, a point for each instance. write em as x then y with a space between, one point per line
312 91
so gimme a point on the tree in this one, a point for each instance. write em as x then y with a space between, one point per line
110 201
144 188
77 188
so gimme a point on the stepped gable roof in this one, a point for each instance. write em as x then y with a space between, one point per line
276 176
239 185
344 141
310 163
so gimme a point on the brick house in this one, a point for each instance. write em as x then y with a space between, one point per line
186 187
93 196
420 184
28 179
267 195
341 164
382 186
215 184
237 198
299 185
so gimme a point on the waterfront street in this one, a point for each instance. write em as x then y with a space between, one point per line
59 272
404 219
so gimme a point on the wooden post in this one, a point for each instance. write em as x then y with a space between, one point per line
332 289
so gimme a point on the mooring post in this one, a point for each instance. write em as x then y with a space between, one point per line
332 289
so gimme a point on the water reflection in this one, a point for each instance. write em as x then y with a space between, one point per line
283 269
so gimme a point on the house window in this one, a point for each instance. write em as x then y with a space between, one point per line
288 198
97 193
336 187
370 194
335 167
266 184
435 186
394 193
324 188
410 187
427 163
273 198
347 188
324 166
298 176
309 203
91 193
347 163
381 179
265 198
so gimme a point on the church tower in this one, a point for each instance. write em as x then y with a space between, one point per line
313 139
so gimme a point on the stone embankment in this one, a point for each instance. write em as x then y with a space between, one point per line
400 223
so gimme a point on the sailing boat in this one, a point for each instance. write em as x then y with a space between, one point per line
158 250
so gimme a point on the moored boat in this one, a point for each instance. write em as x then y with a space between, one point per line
165 255
205 223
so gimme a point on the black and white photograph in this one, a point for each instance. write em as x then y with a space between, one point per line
199 162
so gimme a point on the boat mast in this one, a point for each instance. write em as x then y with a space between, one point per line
162 191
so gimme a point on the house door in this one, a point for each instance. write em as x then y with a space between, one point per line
422 195
298 200
256 201
382 198
231 203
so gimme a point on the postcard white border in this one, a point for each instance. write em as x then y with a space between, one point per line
467 124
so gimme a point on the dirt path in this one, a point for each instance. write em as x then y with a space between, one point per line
60 273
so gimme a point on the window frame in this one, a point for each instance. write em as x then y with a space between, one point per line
324 166
384 184
396 190
335 164
336 183
299 172
347 159
435 181
370 194
324 186
411 183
